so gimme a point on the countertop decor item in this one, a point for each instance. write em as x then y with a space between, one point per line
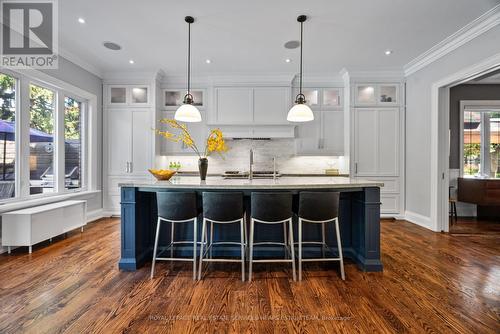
162 174
214 143
300 112
187 112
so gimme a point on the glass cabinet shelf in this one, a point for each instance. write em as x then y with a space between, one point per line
376 94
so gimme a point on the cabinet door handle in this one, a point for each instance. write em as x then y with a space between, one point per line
131 167
127 168
355 168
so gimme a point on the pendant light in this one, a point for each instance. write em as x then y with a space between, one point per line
187 112
300 112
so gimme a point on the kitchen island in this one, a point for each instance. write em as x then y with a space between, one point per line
359 212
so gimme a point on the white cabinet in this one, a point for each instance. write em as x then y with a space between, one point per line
376 94
376 141
127 95
322 136
270 105
333 132
129 141
323 98
30 226
234 105
251 105
197 130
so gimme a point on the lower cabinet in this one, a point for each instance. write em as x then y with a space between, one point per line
391 197
112 199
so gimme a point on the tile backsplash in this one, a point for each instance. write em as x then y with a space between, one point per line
237 158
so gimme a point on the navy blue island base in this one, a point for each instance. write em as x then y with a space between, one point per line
359 213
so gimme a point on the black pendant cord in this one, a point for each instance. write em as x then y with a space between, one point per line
300 98
188 98
301 43
189 59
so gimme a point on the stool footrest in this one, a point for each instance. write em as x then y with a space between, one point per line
274 261
326 259
173 259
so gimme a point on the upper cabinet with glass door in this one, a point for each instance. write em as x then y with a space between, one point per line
323 98
383 94
128 95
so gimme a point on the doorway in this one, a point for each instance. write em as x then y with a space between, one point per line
440 155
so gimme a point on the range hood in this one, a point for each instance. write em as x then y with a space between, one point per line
257 131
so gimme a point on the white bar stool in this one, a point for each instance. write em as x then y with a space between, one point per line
319 208
272 208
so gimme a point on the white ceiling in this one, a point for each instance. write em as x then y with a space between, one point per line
248 36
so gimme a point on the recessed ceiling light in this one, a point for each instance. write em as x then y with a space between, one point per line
81 20
288 60
131 61
292 44
388 52
112 46
208 61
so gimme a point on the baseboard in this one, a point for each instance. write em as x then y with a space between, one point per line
418 219
396 216
111 213
95 215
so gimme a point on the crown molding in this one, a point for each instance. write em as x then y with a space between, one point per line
479 26
97 71
380 75
137 77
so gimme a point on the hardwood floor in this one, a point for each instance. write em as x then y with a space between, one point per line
468 226
432 283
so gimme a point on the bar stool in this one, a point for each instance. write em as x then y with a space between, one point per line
222 208
272 208
319 208
176 208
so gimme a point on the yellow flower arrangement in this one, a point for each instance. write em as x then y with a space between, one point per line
215 141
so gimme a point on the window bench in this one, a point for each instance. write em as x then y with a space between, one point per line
30 226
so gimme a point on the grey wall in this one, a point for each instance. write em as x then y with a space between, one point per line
418 116
79 77
465 92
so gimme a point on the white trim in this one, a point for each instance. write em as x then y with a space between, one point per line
419 220
439 165
17 205
72 58
95 215
479 26
476 105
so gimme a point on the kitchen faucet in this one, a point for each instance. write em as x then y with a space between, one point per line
250 173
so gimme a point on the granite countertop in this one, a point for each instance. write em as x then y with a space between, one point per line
284 182
194 173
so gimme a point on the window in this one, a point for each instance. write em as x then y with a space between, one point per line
42 146
7 136
43 137
481 138
73 153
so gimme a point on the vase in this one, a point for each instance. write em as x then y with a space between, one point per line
203 167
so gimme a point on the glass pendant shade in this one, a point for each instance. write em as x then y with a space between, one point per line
187 113
300 113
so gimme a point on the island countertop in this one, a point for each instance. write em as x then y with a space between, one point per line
281 183
359 212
